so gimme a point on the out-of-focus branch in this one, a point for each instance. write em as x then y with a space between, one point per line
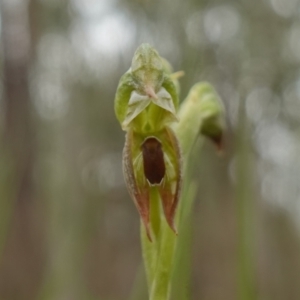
18 155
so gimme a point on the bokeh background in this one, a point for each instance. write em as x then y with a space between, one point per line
68 229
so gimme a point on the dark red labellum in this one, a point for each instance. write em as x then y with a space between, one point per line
153 159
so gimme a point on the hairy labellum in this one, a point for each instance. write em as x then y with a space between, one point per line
153 159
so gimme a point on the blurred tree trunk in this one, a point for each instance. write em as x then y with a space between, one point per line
21 259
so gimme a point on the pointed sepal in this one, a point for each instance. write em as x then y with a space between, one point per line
170 189
138 189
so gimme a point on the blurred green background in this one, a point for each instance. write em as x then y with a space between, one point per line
68 229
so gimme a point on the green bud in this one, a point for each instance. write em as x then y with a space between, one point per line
212 112
204 105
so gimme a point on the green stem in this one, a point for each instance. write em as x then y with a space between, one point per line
181 274
246 276
150 251
160 288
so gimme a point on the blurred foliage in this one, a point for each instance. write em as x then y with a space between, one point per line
68 227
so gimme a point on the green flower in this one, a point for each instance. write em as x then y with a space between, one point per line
146 105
